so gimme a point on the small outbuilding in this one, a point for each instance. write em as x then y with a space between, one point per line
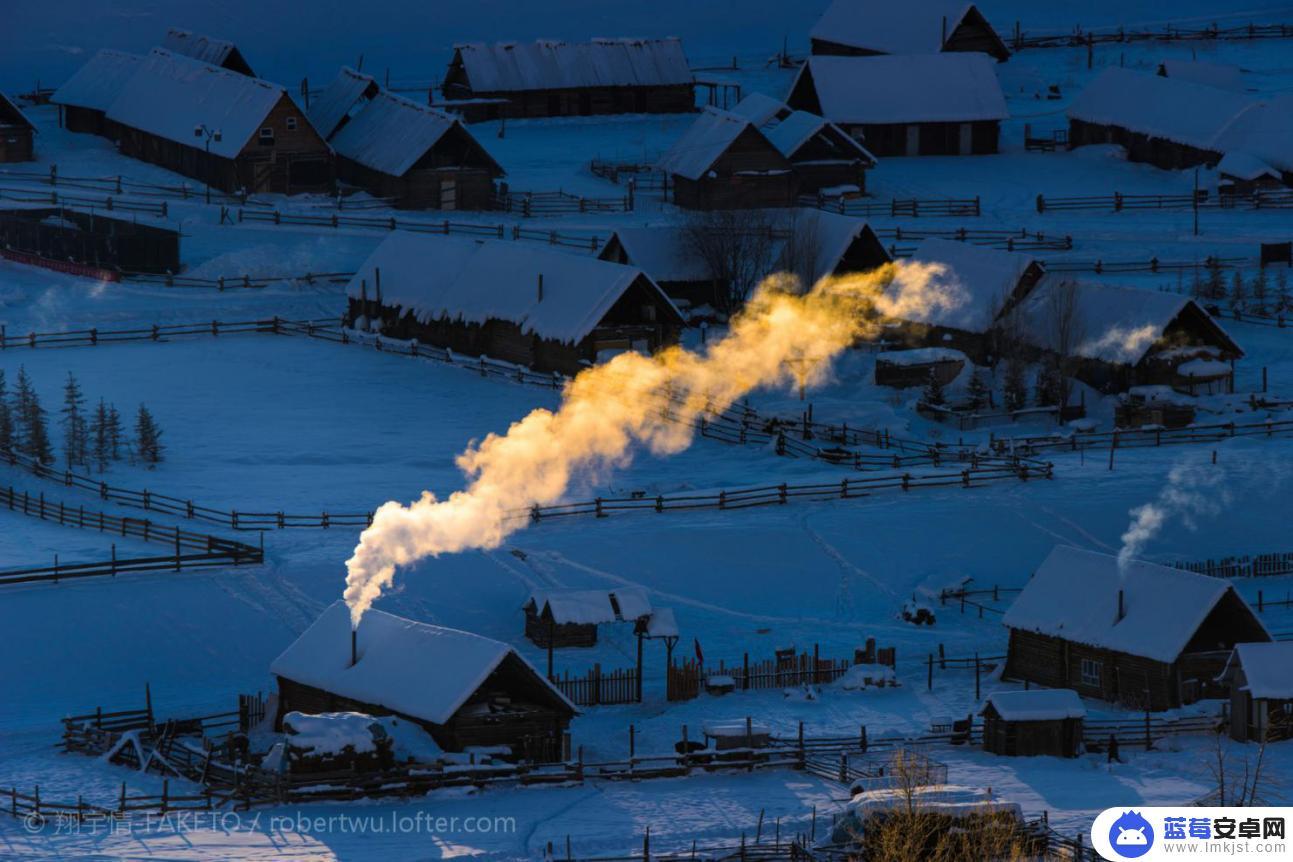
526 304
1033 722
16 133
907 104
1260 678
61 235
463 689
903 369
1147 636
569 618
217 52
723 161
84 98
867 27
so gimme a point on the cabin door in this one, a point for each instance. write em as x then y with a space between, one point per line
913 140
966 146
449 193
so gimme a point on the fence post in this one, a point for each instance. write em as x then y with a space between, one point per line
1149 742
929 681
976 677
745 672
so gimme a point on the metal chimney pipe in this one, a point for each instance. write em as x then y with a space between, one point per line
1122 612
354 646
540 287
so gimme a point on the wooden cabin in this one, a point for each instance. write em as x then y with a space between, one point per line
16 133
266 142
414 155
84 98
1260 679
1155 406
463 689
979 286
868 27
91 239
1143 635
907 105
569 618
1033 722
1243 174
903 369
723 161
560 79
526 304
216 52
1123 337
824 159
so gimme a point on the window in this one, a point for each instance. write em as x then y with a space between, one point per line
266 135
1091 672
291 124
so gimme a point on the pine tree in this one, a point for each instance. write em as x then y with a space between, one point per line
33 434
114 433
147 437
1282 290
977 390
1048 384
74 425
1216 284
1015 388
6 417
1237 291
1259 289
100 445
1197 287
934 390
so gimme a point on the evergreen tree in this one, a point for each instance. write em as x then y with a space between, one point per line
1015 388
1259 290
977 390
74 424
1282 290
1197 287
147 437
934 390
6 417
1049 384
1237 291
100 445
1215 287
114 433
33 435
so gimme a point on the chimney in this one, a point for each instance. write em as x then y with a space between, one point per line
540 287
1122 612
944 40
354 646
377 283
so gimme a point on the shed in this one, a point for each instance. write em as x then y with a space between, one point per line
1033 722
217 52
1243 173
463 689
16 133
822 155
86 96
569 618
866 27
902 369
1122 337
395 148
1260 679
1147 636
907 104
553 78
266 142
91 239
723 161
536 307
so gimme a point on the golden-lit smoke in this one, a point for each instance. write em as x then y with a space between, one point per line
782 336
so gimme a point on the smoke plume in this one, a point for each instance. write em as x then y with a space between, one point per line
782 336
1194 489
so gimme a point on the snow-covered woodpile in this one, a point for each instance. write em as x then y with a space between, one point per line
217 52
865 27
1143 635
1260 678
907 104
1033 722
549 78
16 132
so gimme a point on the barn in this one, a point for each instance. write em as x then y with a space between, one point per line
397 149
464 689
868 27
549 78
86 96
983 284
266 143
825 160
1143 635
16 133
1033 722
529 305
723 161
1260 679
569 618
217 52
907 104
1121 337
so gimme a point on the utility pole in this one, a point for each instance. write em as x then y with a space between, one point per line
216 135
1196 201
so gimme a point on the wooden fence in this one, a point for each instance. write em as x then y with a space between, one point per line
109 204
1246 566
687 679
119 185
897 207
1141 438
1078 38
1276 199
599 688
528 204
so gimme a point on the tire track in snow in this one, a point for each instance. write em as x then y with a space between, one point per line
843 562
1078 528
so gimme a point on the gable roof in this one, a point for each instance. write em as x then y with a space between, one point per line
556 65
981 279
1268 669
11 113
171 95
705 142
1074 595
788 130
1265 133
476 281
584 607
339 100
905 88
390 133
661 251
217 52
910 27
831 235
421 670
1036 704
97 84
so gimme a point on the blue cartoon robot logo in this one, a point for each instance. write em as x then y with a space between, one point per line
1131 835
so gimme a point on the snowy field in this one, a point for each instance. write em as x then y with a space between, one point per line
262 423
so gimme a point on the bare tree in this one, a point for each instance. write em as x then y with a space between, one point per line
801 256
737 247
1240 784
1064 333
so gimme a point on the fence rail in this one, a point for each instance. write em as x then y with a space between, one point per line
600 688
1246 566
110 204
1139 439
1171 33
119 185
896 207
529 204
1118 202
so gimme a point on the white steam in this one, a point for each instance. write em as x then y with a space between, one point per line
1194 489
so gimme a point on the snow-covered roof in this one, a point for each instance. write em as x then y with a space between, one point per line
1111 323
1245 166
1037 704
760 108
591 607
170 95
1074 595
920 356
97 84
476 281
911 27
339 99
420 670
704 142
391 133
1268 669
1220 75
198 46
13 113
980 279
662 624
832 234
1265 132
557 65
662 252
907 88
1174 109
789 130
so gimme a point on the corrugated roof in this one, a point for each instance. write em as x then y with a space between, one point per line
390 133
912 88
910 27
339 99
97 84
544 64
